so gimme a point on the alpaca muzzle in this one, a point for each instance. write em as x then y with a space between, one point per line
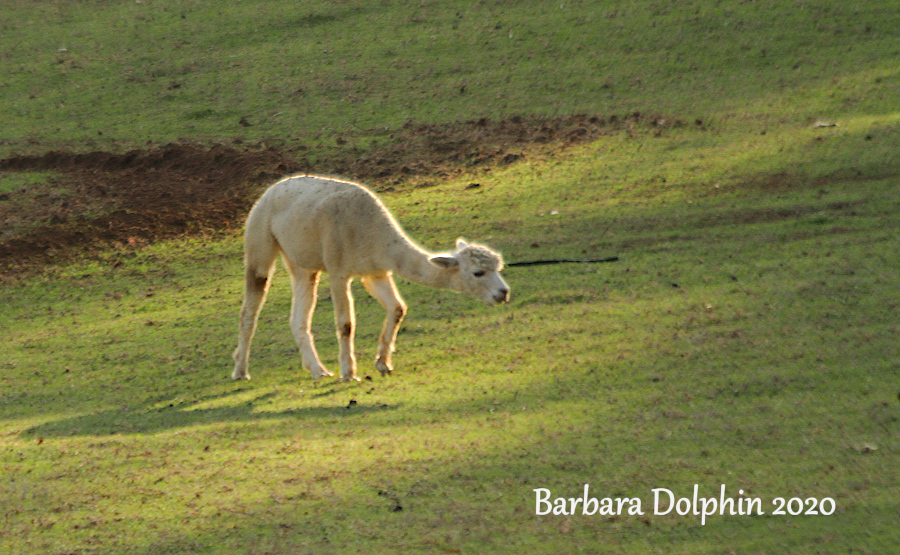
502 296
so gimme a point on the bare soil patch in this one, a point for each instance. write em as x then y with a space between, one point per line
145 195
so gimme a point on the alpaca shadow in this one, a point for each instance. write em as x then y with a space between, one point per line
160 417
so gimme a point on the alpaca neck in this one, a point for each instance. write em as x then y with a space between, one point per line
413 263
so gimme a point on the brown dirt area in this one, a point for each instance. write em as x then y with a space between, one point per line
98 199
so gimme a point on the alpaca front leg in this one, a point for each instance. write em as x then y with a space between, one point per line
345 322
388 340
385 292
303 303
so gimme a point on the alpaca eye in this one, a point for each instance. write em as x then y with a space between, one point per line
479 273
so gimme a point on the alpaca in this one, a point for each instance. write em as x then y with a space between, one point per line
326 225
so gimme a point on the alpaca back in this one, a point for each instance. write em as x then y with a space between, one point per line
329 225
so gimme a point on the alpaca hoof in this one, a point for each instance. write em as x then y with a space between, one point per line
237 375
384 368
321 373
350 379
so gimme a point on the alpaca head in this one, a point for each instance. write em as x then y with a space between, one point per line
476 271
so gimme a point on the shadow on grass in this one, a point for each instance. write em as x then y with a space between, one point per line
160 417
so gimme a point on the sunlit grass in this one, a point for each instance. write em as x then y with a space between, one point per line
743 338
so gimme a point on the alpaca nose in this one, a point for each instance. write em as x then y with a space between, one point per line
502 295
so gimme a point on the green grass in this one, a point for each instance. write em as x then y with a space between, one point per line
770 368
746 336
116 75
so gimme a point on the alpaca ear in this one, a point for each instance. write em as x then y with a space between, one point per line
444 261
461 244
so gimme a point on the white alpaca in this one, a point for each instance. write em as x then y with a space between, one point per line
339 227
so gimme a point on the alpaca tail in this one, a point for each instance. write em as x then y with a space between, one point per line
260 246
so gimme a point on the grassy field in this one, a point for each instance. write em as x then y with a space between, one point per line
303 73
747 336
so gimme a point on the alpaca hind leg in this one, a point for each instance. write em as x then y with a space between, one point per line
256 287
385 292
304 284
345 322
